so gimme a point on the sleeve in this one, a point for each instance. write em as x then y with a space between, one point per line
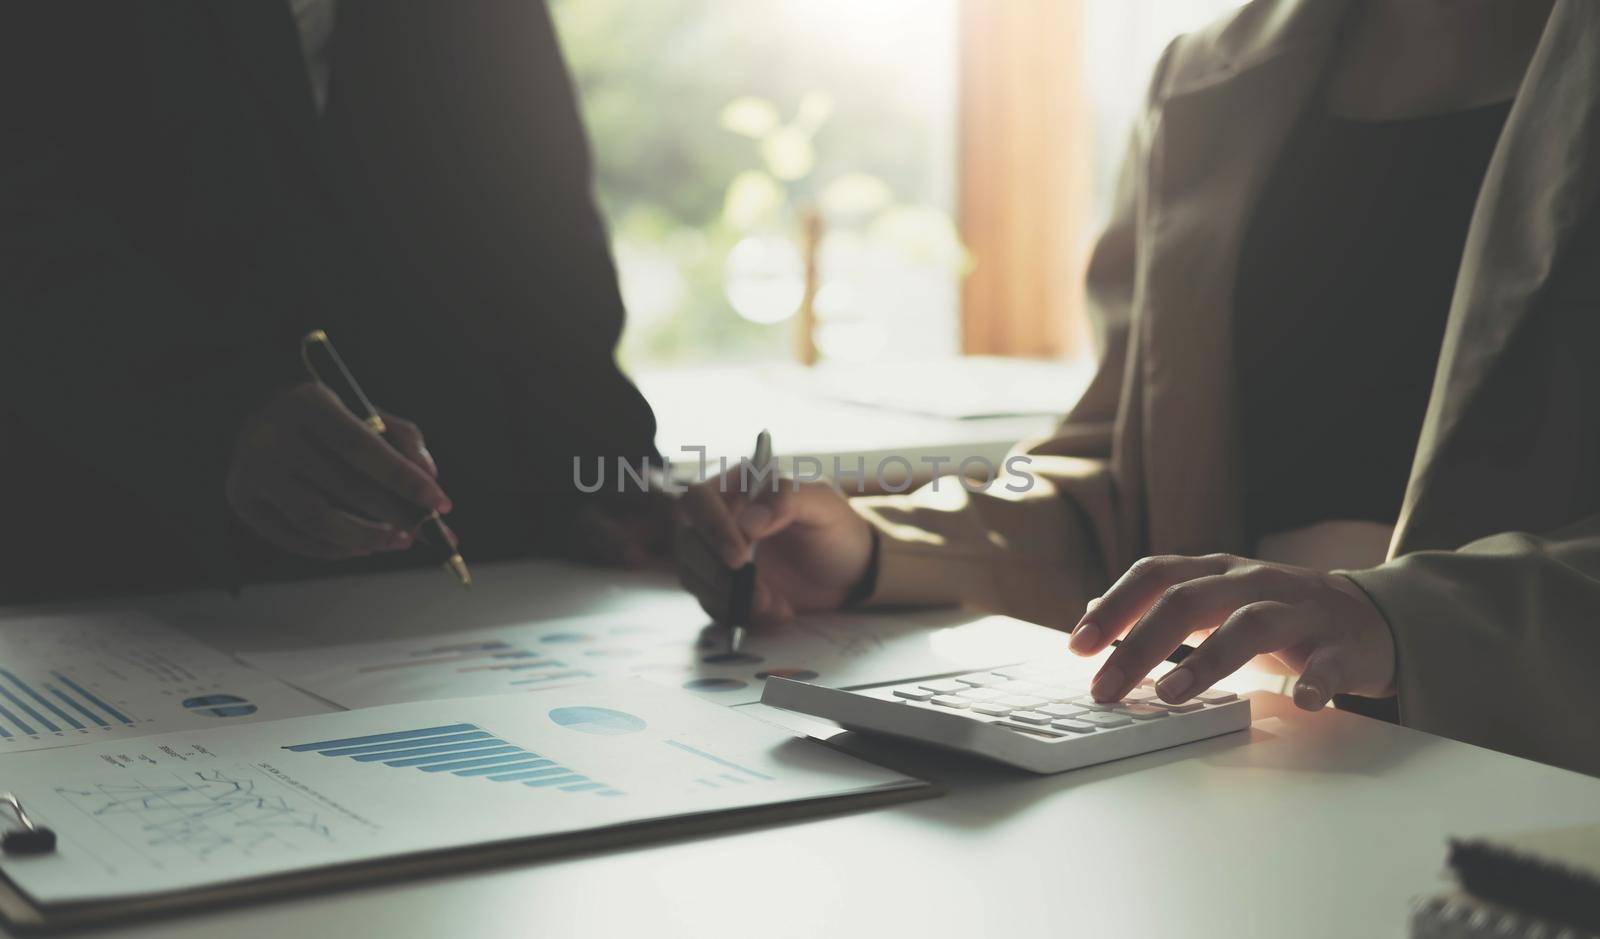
1497 642
528 262
94 358
1036 543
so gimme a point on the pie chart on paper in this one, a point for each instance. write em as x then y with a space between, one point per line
601 721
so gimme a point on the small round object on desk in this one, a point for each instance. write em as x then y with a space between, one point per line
28 841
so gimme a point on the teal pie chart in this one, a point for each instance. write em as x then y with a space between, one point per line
601 721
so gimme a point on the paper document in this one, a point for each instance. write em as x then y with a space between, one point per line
841 651
202 808
68 680
961 388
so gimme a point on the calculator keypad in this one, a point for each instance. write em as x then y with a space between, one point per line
1045 702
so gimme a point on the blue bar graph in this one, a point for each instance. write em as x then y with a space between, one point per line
76 706
22 706
403 744
32 705
16 721
505 767
90 697
531 774
474 764
384 756
41 699
381 738
462 750
453 756
555 780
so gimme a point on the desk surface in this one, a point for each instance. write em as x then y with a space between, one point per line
1315 825
807 423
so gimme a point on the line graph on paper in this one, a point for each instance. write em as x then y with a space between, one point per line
204 815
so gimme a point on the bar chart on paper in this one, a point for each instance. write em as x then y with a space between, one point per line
69 680
465 750
471 751
494 660
581 764
69 705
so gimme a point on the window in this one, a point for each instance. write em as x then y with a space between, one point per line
719 126
744 145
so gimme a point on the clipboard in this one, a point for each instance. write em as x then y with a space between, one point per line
404 791
23 915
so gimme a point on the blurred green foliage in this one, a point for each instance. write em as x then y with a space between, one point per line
684 97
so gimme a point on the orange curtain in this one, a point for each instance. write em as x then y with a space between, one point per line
1024 152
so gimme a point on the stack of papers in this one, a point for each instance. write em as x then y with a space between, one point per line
174 774
840 651
183 811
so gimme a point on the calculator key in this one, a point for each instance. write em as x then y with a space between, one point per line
1102 719
1088 703
978 694
980 679
1060 710
1184 708
944 686
991 708
913 693
1141 696
1053 678
1022 702
1215 696
1077 727
1031 717
951 701
1139 712
1061 692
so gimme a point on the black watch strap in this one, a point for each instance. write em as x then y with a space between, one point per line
863 588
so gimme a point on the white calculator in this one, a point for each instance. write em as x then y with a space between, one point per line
1033 715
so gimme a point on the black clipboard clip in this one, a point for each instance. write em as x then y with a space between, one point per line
27 838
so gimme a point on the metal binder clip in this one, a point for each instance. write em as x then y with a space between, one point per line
30 838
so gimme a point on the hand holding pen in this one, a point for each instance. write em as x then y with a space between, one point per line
814 550
321 473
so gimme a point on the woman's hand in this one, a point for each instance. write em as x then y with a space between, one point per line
315 481
814 547
1321 625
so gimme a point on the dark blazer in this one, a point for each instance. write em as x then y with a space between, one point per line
174 215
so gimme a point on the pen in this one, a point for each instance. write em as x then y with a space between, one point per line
317 349
742 595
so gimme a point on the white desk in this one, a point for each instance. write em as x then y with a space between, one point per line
723 409
1310 825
